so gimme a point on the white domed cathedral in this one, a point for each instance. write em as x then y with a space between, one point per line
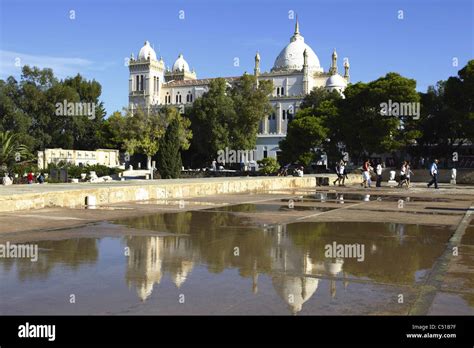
295 73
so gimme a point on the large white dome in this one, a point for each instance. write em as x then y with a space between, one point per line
146 51
291 57
180 64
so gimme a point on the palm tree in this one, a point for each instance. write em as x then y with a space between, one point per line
10 150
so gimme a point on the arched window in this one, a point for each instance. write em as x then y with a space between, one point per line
282 91
142 86
278 90
177 99
284 114
137 83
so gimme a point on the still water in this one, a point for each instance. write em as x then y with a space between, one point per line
218 261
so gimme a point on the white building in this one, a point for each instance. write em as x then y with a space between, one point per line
295 73
106 157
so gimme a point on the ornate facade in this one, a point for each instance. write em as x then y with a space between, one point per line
295 73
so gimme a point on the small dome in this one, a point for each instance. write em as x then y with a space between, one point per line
147 51
336 81
181 64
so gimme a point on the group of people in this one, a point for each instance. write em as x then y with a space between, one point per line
405 174
341 173
367 169
298 170
30 179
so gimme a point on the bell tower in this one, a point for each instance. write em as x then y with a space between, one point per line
146 77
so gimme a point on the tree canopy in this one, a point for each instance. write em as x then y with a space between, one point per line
228 116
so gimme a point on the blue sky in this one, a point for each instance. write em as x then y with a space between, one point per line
96 43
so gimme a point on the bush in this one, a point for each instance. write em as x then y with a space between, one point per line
268 165
74 171
22 168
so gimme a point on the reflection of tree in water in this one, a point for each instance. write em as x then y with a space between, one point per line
168 222
387 258
71 253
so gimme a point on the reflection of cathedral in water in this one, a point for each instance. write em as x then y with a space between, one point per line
151 257
295 275
295 272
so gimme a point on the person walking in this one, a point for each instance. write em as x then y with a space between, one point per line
340 171
403 174
409 173
434 174
343 173
366 174
378 171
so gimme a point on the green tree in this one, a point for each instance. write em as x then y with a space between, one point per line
212 117
228 116
169 156
28 108
112 130
447 119
360 124
305 133
251 104
309 129
317 96
142 132
185 134
12 117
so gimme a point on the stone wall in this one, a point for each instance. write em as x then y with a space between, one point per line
75 196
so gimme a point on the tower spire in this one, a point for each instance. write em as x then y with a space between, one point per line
346 68
297 26
256 70
333 69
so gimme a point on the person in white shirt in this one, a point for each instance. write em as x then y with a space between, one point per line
366 169
340 171
403 174
434 174
409 173
299 171
378 171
